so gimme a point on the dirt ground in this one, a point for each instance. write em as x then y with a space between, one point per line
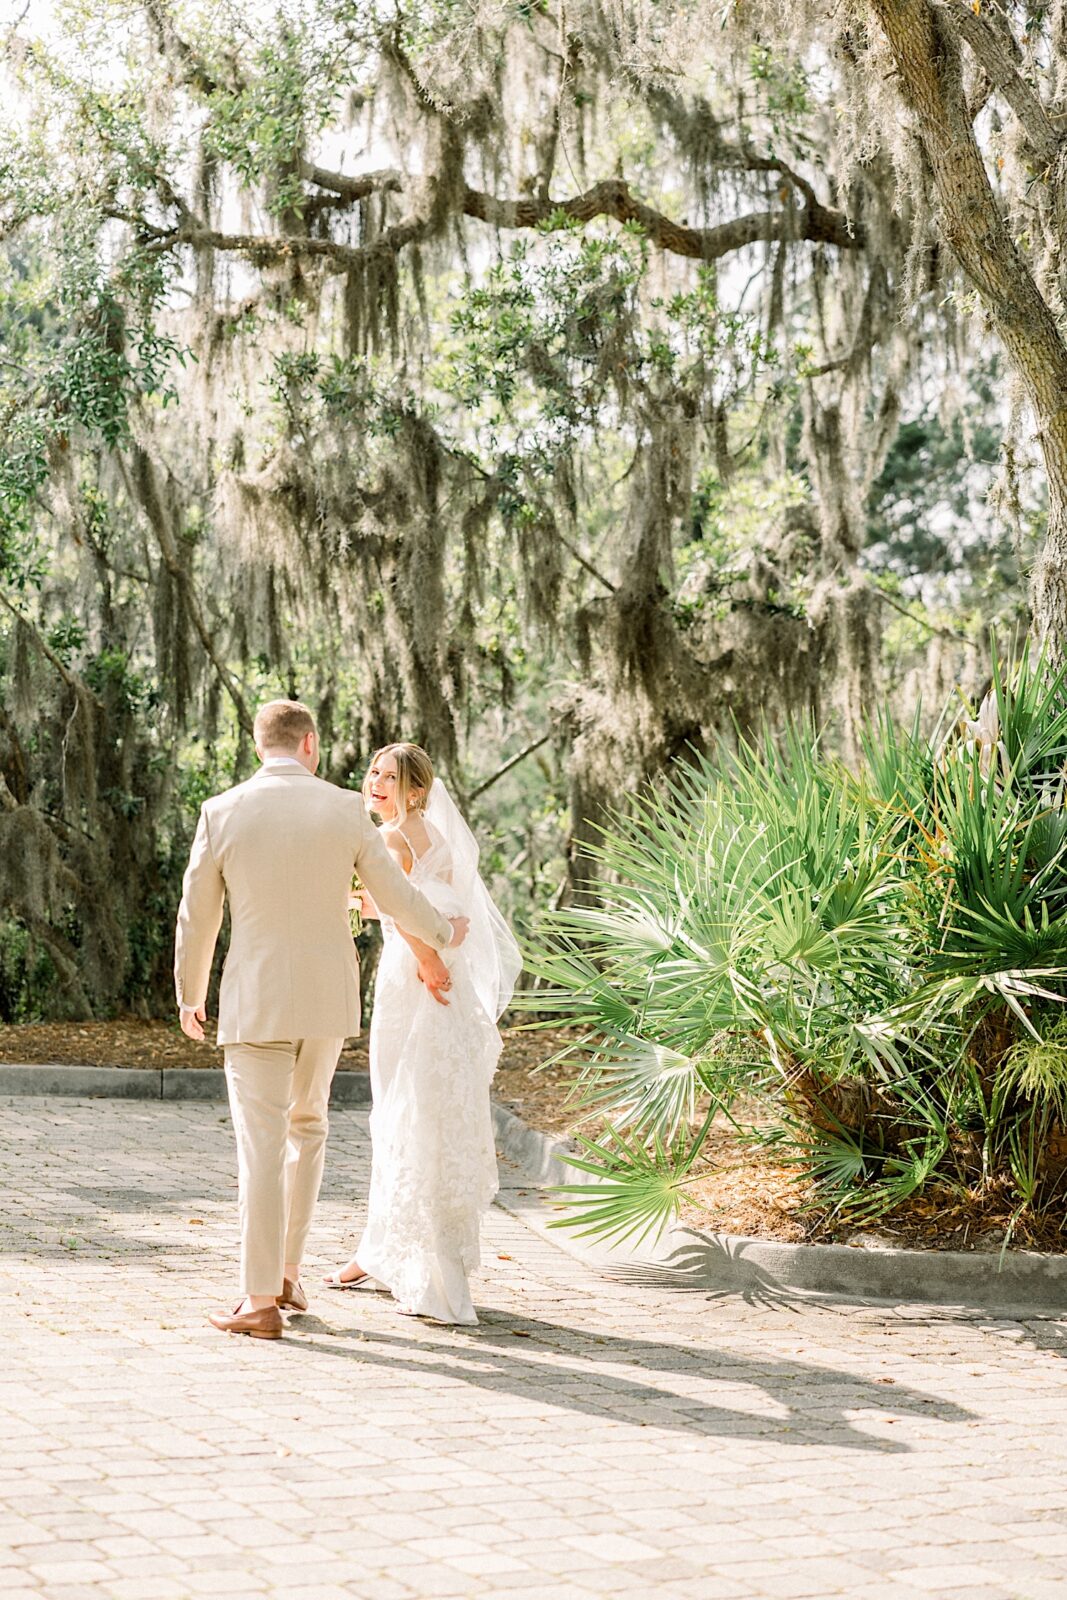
740 1190
129 1042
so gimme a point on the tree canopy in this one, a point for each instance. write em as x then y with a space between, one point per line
506 377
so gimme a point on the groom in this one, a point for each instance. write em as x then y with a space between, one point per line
282 847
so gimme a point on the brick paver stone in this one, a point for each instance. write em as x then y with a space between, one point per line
597 1434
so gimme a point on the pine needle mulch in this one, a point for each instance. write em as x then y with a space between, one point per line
131 1042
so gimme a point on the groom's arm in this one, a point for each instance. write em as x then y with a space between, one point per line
199 921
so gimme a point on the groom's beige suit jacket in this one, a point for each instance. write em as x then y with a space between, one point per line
283 847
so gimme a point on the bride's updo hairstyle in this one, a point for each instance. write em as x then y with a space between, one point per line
414 770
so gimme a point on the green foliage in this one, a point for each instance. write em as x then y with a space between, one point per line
544 349
930 536
1036 1068
287 92
107 363
635 1191
877 961
562 339
27 976
784 88
85 345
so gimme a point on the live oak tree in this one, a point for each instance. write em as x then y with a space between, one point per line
969 99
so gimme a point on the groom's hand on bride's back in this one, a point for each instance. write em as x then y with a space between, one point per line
460 926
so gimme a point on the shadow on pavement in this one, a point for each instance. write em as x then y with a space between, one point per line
1045 1332
724 1269
814 1399
686 1271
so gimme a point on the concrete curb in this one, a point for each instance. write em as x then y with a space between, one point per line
150 1083
765 1270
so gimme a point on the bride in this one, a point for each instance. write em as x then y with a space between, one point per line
434 1046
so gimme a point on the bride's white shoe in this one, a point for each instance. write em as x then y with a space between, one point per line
334 1280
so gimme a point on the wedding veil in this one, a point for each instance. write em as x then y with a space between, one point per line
494 958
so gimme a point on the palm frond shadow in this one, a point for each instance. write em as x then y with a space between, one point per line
718 1270
1044 1331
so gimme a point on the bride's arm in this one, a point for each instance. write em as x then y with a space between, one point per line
432 970
422 952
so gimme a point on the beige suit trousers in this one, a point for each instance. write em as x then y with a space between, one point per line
279 1094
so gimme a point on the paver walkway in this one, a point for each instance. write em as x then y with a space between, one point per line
592 1437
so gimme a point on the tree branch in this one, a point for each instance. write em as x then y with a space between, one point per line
16 366
487 783
677 114
588 565
351 189
191 68
995 49
262 248
612 198
76 685
921 622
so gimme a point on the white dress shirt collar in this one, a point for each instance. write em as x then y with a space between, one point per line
271 763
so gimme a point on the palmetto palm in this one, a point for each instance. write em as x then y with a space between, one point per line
867 957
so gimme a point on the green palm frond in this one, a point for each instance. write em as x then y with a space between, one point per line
1032 708
636 1192
834 1160
1047 848
900 1177
1037 1069
648 1087
1025 1135
997 845
898 764
985 935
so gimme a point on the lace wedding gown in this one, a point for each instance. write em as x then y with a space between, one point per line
434 1155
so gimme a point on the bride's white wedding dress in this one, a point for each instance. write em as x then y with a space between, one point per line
434 1167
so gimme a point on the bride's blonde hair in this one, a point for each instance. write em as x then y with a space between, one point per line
414 770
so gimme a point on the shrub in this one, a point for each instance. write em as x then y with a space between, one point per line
877 960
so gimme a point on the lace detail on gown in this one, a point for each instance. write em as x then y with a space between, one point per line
434 1167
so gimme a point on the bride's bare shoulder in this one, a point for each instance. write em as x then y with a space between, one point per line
417 833
398 847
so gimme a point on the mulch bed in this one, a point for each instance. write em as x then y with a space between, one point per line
740 1190
130 1042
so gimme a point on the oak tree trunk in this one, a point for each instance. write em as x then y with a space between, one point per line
926 50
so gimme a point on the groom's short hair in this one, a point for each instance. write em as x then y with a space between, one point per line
282 725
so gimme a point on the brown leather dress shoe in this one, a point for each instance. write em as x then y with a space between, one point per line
292 1297
265 1324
